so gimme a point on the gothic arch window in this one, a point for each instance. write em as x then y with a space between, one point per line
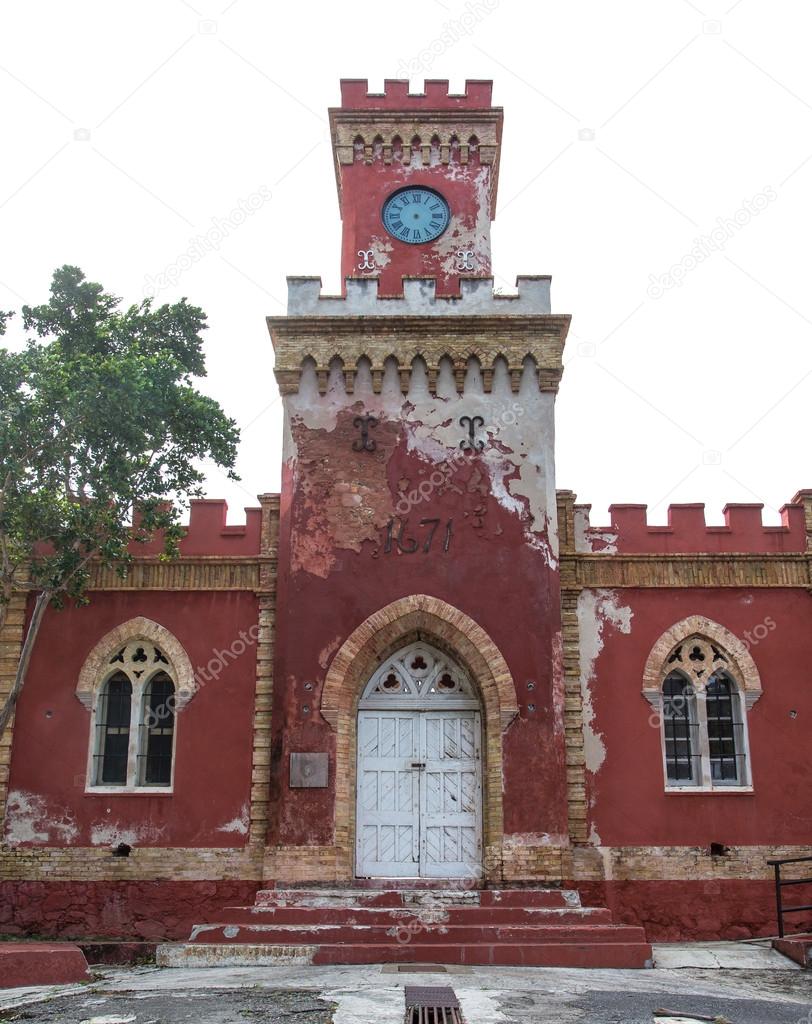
134 708
702 716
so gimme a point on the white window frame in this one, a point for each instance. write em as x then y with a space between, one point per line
137 715
739 667
706 783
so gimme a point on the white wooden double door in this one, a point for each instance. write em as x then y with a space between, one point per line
419 794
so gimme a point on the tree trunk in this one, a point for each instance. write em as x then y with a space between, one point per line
25 657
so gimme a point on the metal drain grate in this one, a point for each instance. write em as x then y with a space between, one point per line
422 969
431 1005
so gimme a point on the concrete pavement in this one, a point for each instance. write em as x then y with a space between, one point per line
741 982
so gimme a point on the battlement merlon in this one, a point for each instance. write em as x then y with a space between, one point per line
630 533
416 128
355 95
208 534
363 332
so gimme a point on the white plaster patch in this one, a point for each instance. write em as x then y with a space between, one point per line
476 239
239 825
327 652
112 834
533 839
518 458
381 251
589 539
30 820
597 609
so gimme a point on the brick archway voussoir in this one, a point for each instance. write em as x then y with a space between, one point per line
365 645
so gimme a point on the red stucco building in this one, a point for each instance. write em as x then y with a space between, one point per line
420 669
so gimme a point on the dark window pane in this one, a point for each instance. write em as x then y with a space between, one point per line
158 726
113 731
679 728
724 729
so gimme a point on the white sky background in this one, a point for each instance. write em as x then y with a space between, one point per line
701 394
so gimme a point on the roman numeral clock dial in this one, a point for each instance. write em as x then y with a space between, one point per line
415 215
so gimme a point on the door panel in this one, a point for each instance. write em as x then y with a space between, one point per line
419 821
450 797
388 842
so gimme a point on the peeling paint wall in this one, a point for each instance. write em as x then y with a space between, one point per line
342 512
31 819
352 501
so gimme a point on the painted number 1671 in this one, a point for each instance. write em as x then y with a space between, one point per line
396 536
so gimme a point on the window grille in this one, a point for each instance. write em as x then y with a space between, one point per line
113 731
157 729
724 730
679 725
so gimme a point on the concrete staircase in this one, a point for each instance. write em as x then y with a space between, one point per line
530 927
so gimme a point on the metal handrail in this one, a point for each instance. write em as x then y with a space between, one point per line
780 883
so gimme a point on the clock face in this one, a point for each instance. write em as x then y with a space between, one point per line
416 215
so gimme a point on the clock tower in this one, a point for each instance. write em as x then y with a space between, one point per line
418 699
416 178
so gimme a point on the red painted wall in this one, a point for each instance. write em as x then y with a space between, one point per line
214 731
365 187
489 572
629 805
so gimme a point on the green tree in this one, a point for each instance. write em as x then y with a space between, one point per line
102 434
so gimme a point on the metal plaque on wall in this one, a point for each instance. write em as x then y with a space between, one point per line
308 771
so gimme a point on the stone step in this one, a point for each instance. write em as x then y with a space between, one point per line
561 954
418 897
493 915
414 933
583 954
529 898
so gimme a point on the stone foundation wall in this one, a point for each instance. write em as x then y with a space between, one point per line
690 911
116 910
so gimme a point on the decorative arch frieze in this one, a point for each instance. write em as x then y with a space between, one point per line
744 669
387 629
97 663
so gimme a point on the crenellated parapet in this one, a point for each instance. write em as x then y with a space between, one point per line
208 533
363 336
744 532
419 298
396 95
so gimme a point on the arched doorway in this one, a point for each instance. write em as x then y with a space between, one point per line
419 779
